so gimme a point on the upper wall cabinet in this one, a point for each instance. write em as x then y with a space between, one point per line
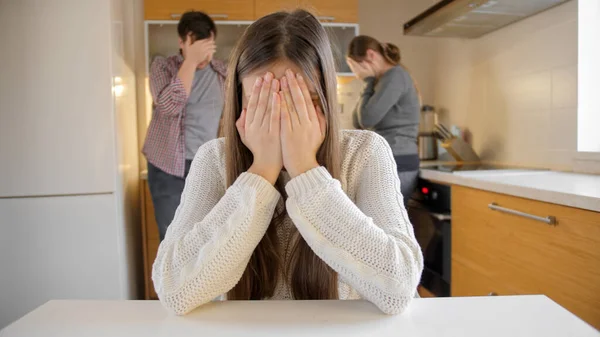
264 7
232 10
343 11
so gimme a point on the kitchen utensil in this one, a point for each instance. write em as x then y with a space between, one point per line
429 119
444 134
446 131
427 146
460 150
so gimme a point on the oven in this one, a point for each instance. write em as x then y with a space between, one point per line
429 212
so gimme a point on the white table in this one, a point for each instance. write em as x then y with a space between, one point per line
428 317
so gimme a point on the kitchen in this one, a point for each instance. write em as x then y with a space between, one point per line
519 91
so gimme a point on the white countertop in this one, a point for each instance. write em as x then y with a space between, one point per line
427 317
568 189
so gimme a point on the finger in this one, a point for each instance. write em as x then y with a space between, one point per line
253 101
322 121
263 100
310 107
274 125
274 89
297 97
293 115
286 118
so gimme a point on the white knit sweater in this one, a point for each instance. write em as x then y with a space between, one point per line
357 225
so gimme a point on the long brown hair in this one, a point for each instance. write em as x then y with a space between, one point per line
357 50
299 38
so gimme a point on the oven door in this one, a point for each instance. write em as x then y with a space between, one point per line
432 231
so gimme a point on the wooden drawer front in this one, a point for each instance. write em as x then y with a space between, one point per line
507 254
342 11
152 249
234 10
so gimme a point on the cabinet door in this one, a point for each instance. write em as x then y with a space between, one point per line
264 7
232 10
150 239
56 111
345 11
58 247
495 252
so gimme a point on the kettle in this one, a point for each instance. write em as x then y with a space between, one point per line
427 146
427 141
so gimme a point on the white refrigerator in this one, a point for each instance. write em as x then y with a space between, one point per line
68 153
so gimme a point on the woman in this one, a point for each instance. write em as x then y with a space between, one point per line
389 104
286 207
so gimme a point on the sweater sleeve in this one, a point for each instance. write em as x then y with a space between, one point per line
213 234
378 97
370 244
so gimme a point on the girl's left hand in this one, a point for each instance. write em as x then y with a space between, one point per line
303 126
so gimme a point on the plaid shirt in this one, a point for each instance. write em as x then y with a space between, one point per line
164 146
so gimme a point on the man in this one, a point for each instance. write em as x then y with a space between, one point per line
187 93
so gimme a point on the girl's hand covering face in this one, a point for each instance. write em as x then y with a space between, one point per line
259 127
303 125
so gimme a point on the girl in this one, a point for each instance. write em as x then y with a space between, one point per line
389 104
286 206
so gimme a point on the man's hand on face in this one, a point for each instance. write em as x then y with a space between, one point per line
200 52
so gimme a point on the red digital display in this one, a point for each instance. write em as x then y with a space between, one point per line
425 190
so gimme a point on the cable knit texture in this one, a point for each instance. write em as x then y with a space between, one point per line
357 225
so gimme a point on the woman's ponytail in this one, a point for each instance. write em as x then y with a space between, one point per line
391 52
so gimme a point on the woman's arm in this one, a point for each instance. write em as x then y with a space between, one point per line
379 97
371 245
213 234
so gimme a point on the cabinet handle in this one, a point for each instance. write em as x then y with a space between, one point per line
214 16
550 220
493 294
219 16
441 217
326 18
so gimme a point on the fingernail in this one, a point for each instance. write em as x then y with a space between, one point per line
289 73
284 83
299 77
268 76
258 81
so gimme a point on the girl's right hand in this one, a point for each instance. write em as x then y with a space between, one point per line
259 128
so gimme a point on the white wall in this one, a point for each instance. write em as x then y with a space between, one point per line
516 90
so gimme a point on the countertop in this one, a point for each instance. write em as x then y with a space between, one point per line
427 317
562 188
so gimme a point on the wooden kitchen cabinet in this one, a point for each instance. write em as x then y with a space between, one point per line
343 11
232 10
264 7
495 253
150 239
